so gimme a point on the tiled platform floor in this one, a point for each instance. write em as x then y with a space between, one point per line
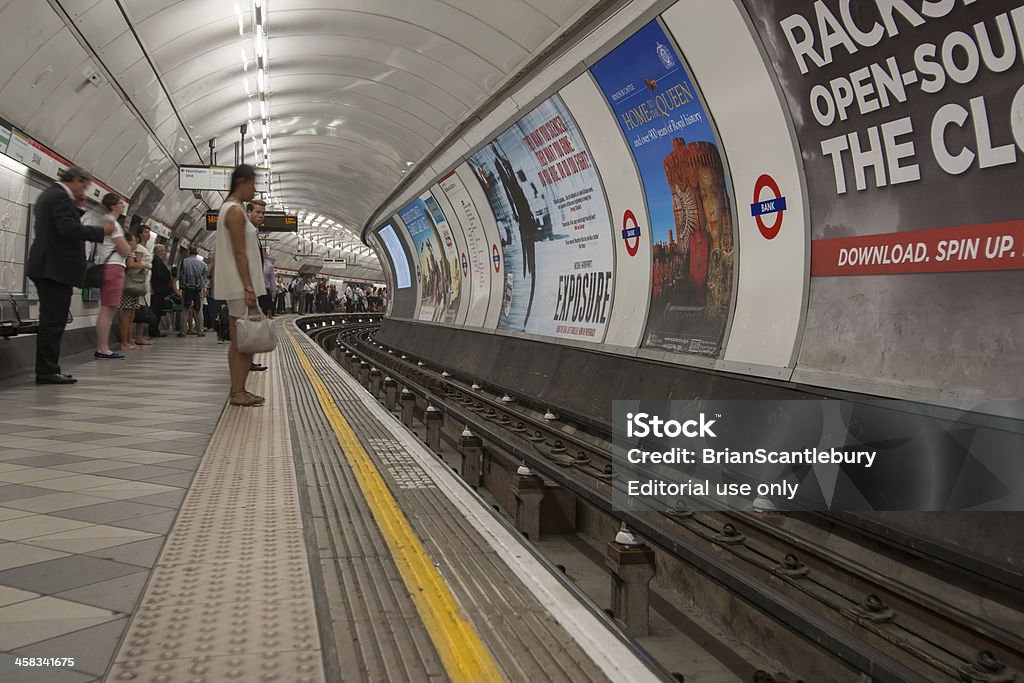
91 479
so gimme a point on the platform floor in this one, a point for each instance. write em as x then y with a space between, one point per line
317 541
91 479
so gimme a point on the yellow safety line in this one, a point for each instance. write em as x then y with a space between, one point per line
463 654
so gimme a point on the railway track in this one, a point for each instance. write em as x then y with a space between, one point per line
846 603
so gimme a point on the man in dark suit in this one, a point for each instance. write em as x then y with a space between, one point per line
162 282
56 264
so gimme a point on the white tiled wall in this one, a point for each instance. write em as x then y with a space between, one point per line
17 191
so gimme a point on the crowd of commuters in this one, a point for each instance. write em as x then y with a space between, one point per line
139 286
317 295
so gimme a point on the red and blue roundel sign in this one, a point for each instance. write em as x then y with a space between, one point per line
630 233
773 204
465 265
496 257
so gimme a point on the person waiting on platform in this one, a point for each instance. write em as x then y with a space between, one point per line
129 302
56 264
164 285
270 282
239 276
144 256
280 300
308 292
193 276
111 257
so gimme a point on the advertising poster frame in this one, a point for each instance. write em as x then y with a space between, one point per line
548 200
688 189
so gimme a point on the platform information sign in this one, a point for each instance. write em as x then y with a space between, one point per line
216 178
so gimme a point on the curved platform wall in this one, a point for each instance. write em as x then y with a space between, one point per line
727 189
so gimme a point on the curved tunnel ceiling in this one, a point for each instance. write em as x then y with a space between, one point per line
359 90
360 93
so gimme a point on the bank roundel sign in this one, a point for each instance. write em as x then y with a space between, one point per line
630 233
768 201
496 257
465 265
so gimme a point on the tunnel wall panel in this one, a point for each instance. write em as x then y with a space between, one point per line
627 208
772 248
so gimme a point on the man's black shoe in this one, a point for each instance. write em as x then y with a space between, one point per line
159 334
256 367
55 379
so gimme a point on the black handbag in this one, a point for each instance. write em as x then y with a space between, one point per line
144 314
93 278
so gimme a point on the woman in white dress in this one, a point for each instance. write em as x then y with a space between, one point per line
238 278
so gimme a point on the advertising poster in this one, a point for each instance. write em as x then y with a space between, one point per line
631 236
910 120
433 244
397 256
478 256
688 191
547 199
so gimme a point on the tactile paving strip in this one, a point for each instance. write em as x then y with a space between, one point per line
527 642
231 597
369 624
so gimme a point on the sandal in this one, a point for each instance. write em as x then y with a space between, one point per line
247 400
257 397
144 342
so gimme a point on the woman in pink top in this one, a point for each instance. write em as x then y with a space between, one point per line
111 253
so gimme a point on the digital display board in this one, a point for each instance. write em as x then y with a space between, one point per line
273 221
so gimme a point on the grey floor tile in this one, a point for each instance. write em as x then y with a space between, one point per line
93 648
108 513
94 466
54 576
120 594
15 453
139 553
20 555
159 523
141 472
178 447
19 491
180 479
168 499
54 502
50 459
82 437
188 463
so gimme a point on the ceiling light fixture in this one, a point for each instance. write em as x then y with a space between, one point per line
261 41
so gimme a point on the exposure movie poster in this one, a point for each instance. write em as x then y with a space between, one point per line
441 280
552 217
688 191
910 119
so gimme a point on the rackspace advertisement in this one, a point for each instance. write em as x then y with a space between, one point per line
687 185
441 280
547 199
910 118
